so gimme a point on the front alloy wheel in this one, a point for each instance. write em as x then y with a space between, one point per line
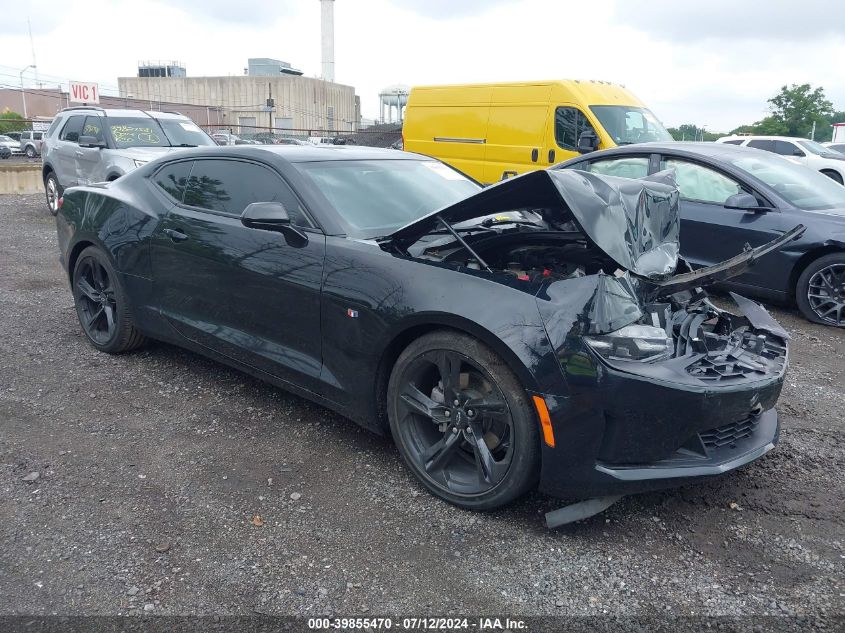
461 421
821 290
826 294
51 189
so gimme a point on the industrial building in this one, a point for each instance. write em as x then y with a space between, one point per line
270 94
241 102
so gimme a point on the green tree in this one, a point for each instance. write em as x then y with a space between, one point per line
796 108
691 132
11 122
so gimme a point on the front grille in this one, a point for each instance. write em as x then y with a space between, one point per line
729 433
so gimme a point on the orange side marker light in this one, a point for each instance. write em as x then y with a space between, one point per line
545 421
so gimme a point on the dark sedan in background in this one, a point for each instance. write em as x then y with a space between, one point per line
505 336
732 196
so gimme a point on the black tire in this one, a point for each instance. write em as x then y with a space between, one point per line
452 463
820 291
53 191
833 175
102 305
30 151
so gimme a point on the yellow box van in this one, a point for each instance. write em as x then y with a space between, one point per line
495 131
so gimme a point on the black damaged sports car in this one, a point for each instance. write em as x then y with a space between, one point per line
539 331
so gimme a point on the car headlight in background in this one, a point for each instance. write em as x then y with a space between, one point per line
139 163
633 342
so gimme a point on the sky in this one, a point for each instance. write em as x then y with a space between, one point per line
709 62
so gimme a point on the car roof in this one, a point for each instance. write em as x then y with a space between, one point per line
124 112
714 150
764 137
301 153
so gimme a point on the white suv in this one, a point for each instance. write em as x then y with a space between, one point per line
31 143
799 150
88 144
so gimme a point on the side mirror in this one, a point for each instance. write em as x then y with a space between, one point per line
272 216
91 141
588 142
744 202
797 152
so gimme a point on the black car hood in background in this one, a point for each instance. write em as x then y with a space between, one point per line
635 222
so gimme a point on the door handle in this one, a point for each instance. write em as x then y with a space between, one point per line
80 153
535 154
551 156
174 235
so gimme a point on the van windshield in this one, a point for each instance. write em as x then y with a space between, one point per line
629 124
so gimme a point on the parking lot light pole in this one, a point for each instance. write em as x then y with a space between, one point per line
23 94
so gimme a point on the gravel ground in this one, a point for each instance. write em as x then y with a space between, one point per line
168 484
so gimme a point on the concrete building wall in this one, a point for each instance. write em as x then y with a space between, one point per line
301 102
42 103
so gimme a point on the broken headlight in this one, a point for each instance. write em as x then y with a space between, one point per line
633 342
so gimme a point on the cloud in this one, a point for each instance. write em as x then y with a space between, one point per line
731 19
445 9
253 12
43 15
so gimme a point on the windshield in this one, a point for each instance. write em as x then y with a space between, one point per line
815 148
376 197
183 132
629 124
802 187
148 132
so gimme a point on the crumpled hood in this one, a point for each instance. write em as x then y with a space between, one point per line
635 222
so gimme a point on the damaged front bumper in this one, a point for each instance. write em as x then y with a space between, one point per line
636 426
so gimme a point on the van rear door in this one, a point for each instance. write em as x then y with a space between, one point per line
515 131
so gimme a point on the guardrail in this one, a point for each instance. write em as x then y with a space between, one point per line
20 178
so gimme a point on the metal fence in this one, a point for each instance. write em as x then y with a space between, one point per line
381 135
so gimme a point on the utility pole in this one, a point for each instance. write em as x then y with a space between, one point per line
23 94
813 132
270 104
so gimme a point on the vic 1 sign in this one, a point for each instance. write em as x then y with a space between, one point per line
84 92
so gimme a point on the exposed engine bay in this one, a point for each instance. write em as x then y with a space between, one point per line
523 244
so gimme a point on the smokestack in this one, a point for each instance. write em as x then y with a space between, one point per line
327 31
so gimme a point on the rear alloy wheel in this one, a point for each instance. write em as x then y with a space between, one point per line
462 421
53 192
101 304
30 151
820 294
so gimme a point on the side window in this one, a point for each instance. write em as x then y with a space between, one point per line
54 126
38 135
701 184
569 124
769 146
228 186
173 178
72 129
93 127
785 148
735 141
628 167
